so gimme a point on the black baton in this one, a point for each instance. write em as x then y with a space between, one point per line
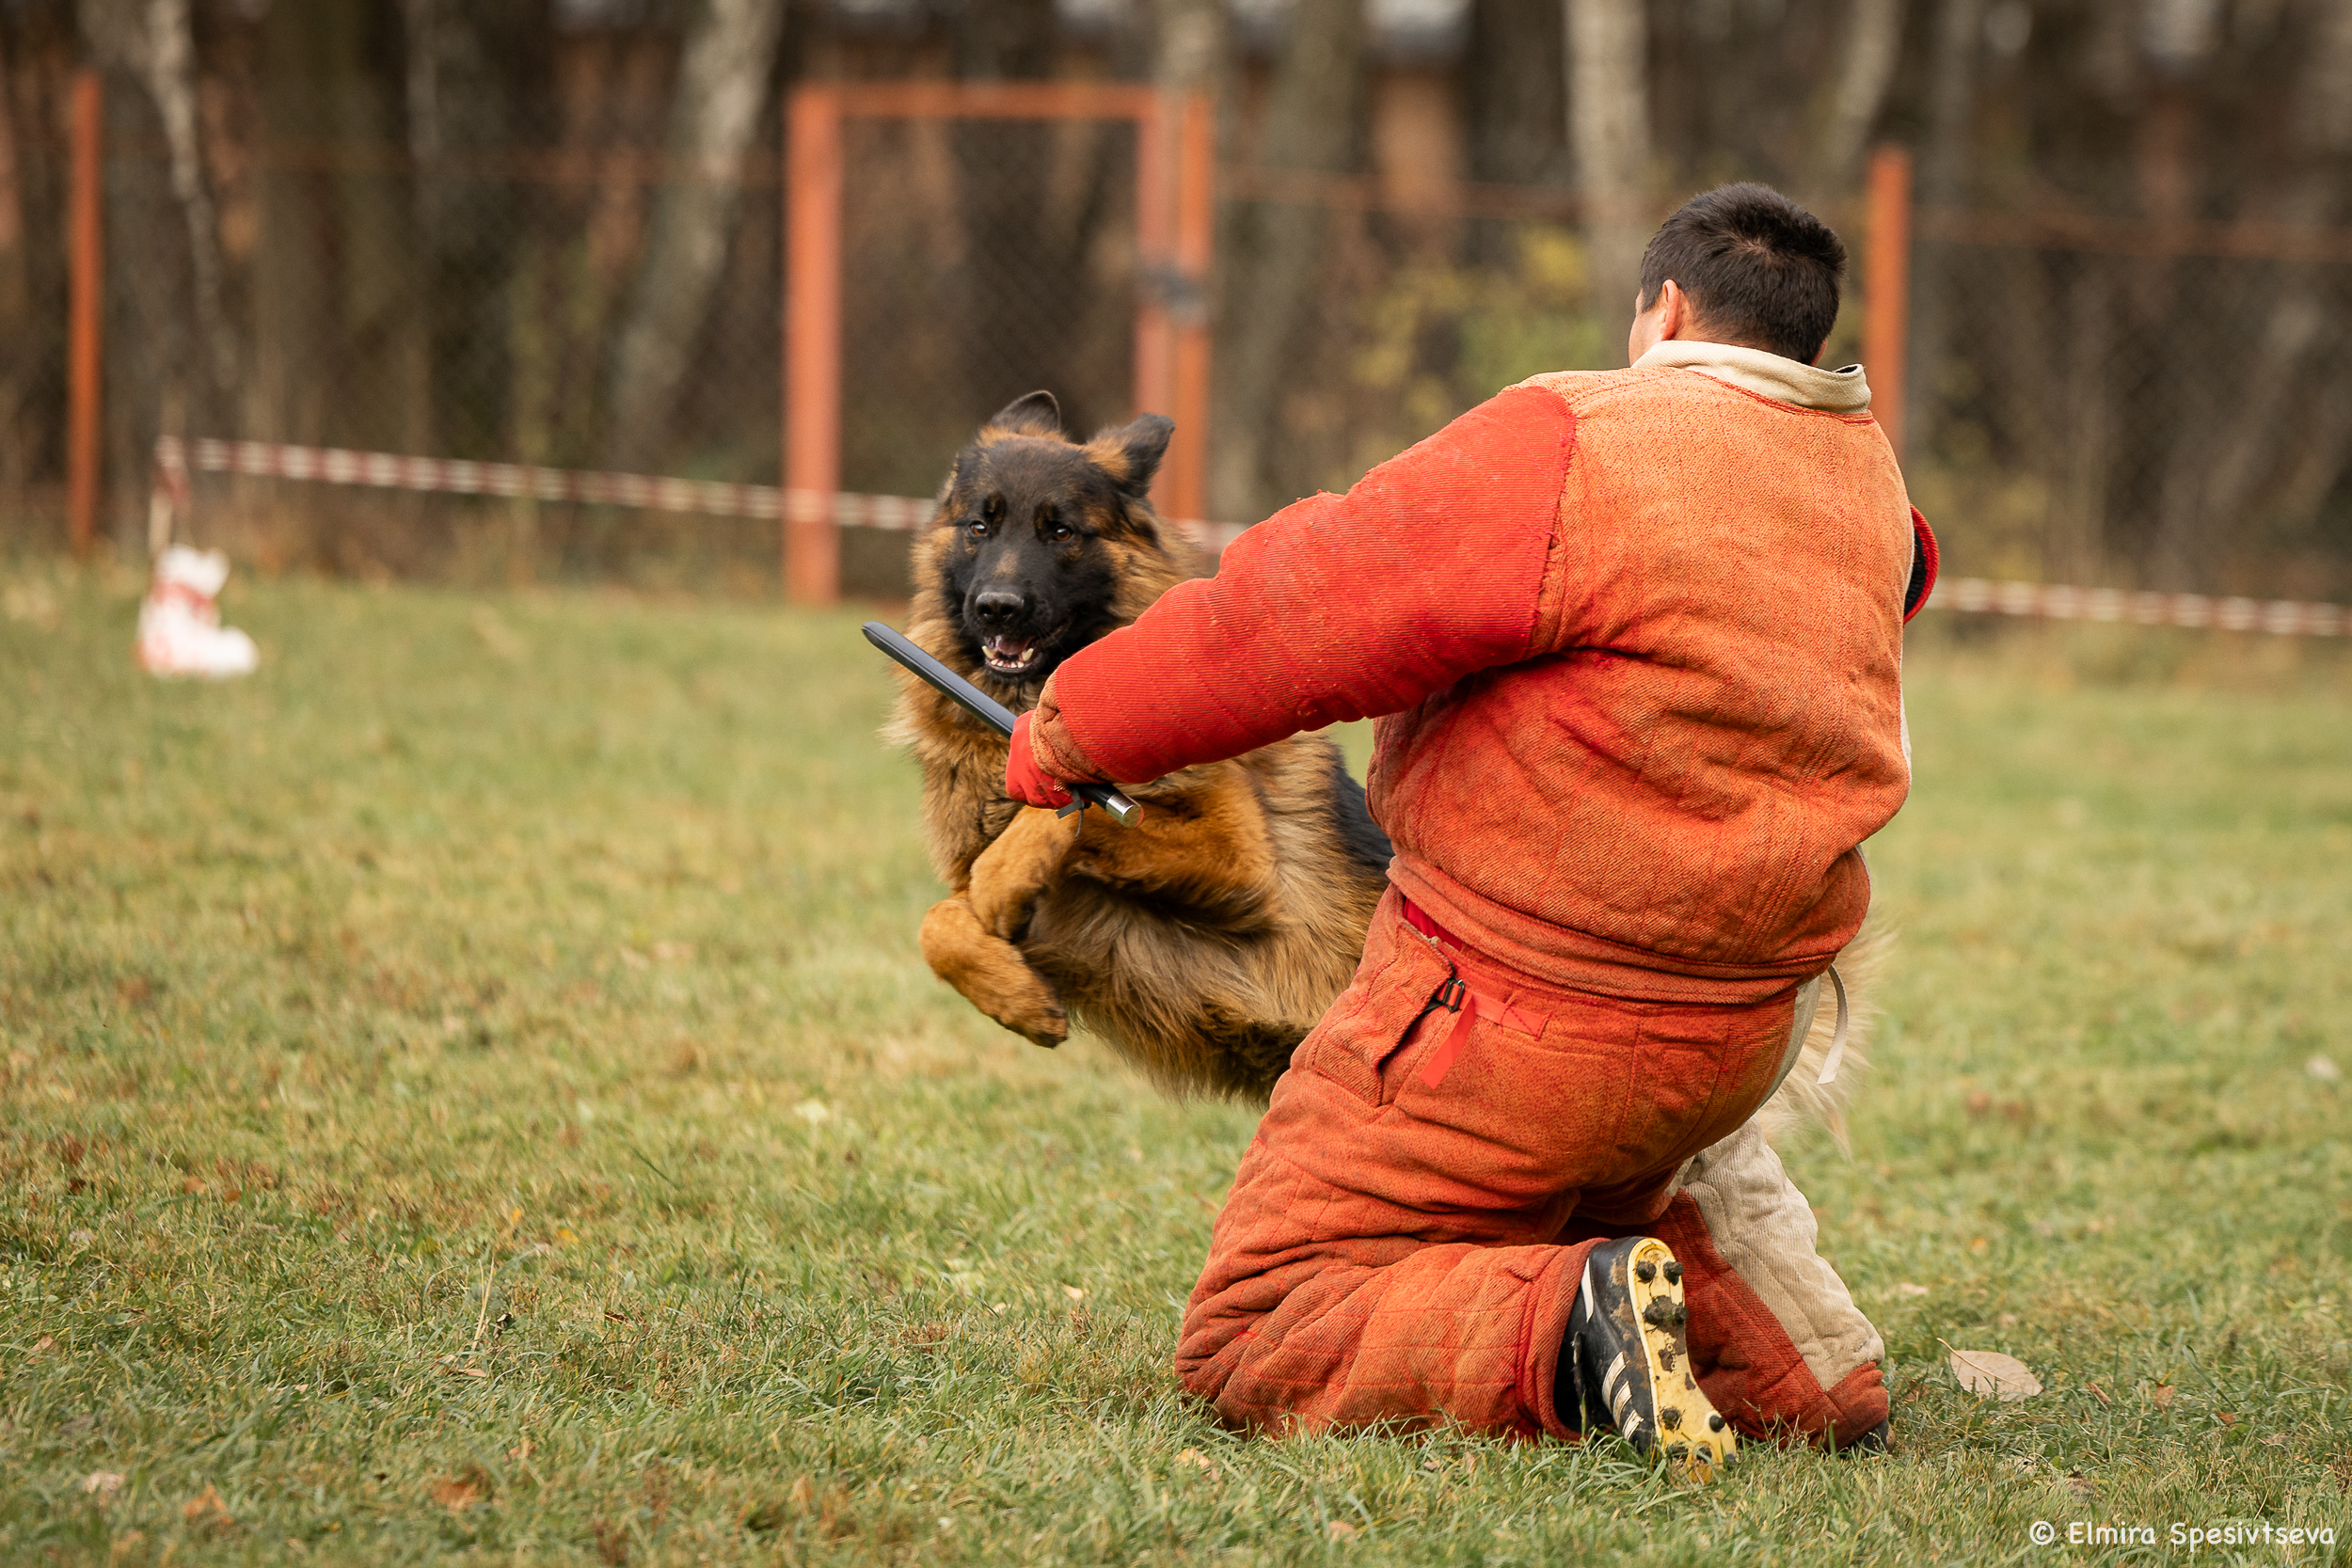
995 714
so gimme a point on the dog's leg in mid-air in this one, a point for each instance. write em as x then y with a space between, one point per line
1013 873
1210 853
990 974
968 940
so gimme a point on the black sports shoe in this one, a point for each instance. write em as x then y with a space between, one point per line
1628 1360
1872 1441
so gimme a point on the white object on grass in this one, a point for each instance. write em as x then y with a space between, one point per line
1991 1376
180 630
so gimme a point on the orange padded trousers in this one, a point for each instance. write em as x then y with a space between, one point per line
1402 1242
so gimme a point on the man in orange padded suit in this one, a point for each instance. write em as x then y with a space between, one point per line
1635 638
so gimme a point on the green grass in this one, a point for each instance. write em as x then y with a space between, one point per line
564 945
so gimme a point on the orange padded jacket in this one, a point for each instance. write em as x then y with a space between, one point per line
1636 636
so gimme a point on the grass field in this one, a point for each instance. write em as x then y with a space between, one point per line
470 1091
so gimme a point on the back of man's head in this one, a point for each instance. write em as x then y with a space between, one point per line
1758 269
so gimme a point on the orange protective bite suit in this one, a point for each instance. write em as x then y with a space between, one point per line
1636 640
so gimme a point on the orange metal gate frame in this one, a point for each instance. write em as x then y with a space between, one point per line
1175 220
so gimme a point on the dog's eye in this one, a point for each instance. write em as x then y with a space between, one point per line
1061 533
978 527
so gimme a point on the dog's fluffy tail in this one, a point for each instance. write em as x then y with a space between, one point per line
1803 1098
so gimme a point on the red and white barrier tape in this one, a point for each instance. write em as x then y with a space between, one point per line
904 514
2059 602
459 477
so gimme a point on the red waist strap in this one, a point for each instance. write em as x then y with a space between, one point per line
1461 998
1417 918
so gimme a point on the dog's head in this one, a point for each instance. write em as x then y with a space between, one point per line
1037 539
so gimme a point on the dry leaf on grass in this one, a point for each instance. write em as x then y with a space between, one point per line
463 1490
207 1513
1989 1375
2161 1396
1199 1461
1339 1530
102 1484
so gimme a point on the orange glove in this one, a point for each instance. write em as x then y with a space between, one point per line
1024 781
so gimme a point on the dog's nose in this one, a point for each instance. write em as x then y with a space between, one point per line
997 608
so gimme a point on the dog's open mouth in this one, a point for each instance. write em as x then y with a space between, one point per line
1013 655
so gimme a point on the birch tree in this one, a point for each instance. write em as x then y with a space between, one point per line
723 76
1609 125
1276 250
1866 69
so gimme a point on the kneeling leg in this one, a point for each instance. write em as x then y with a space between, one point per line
1781 1348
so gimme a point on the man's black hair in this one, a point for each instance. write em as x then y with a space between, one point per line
1758 268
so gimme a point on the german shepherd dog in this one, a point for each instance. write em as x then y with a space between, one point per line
1205 941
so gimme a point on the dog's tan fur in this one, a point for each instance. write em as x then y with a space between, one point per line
1205 941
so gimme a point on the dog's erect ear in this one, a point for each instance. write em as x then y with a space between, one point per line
1036 415
1131 453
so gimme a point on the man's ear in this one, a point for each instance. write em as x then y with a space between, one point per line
1675 319
1131 453
1036 415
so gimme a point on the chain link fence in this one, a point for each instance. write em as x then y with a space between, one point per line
464 306
980 261
2123 405
2090 402
2100 403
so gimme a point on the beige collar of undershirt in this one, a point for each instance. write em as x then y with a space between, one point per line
1767 376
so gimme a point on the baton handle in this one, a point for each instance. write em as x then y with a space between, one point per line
995 714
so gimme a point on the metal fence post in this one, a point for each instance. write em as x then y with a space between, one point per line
1887 299
812 346
1195 243
86 309
1158 145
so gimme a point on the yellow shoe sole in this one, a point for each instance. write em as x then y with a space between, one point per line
1681 1427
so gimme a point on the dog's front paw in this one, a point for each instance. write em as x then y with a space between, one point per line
1039 1018
1004 912
991 975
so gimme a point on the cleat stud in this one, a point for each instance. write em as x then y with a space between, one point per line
1646 1271
1669 1416
1674 1273
1715 1422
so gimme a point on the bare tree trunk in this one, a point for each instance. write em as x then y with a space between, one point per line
1514 77
153 43
147 350
1191 50
1276 250
475 83
1027 196
1001 41
2265 437
1943 179
1874 37
730 56
1608 124
32 303
170 74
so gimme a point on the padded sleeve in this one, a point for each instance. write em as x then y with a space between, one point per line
1337 608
